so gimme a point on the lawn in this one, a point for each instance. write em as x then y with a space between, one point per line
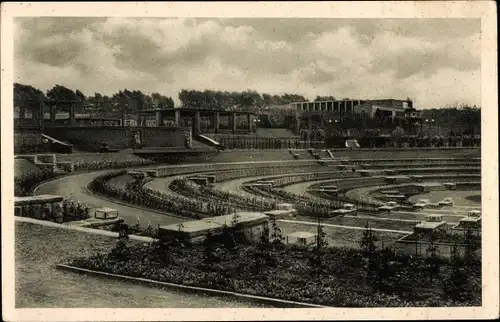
373 222
339 237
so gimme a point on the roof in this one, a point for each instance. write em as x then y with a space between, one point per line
19 201
470 219
302 234
198 227
430 225
278 212
105 209
428 184
397 177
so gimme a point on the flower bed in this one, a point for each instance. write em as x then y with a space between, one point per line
145 197
341 277
211 195
25 182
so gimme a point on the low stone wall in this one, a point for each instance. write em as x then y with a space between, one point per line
364 155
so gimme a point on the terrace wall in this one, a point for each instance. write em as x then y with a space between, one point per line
92 138
28 140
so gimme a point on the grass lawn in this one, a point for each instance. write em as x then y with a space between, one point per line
339 237
361 222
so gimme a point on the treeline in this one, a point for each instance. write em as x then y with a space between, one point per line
125 100
463 114
129 101
246 100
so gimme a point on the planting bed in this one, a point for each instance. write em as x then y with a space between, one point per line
290 273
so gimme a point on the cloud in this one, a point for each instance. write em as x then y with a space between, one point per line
357 58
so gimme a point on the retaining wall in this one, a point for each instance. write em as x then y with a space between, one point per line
92 138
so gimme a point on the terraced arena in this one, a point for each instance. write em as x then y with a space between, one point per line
315 187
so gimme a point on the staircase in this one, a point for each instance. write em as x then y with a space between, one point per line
48 162
56 145
205 140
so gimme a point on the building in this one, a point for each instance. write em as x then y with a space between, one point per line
390 107
195 231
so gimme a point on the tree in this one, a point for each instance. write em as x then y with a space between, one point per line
28 92
276 234
208 250
263 251
369 253
161 101
471 247
432 260
368 247
228 237
120 251
397 135
324 98
80 96
318 250
456 285
59 92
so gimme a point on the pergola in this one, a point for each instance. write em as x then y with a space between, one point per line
37 109
176 115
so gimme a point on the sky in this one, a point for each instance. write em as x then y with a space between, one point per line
436 62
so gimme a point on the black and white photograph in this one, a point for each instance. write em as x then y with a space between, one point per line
205 159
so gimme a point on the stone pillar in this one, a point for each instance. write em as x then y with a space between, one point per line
249 120
37 211
177 117
57 211
233 122
41 115
197 122
309 122
22 111
26 211
72 114
53 111
216 122
158 118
